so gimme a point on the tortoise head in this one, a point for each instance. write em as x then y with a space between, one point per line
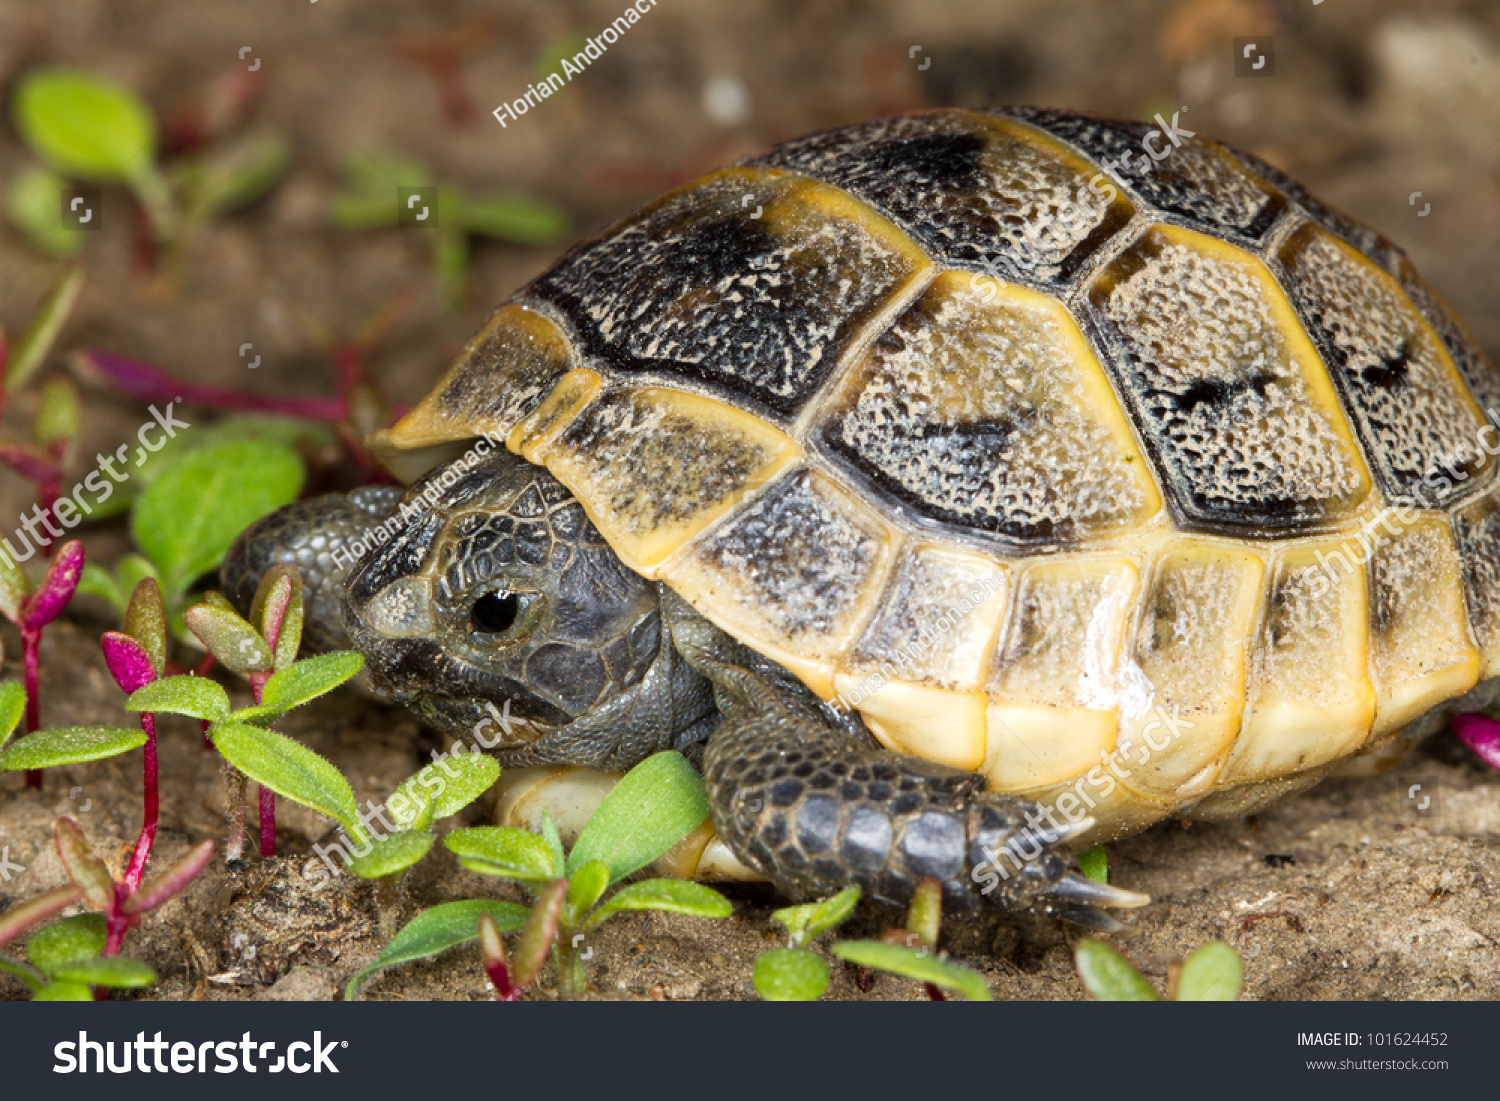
490 585
487 594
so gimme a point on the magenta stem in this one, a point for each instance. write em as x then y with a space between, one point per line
116 924
151 809
146 382
267 796
31 647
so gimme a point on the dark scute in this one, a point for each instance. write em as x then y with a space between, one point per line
817 824
933 845
950 161
867 839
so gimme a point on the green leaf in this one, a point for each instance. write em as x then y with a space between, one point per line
132 570
12 707
226 635
196 697
107 971
34 204
235 173
69 745
1094 863
88 873
442 788
14 587
54 427
34 911
64 992
84 126
807 921
67 941
97 581
539 932
914 963
146 621
187 518
391 854
1211 974
25 972
310 678
516 217
1109 976
554 845
655 805
502 851
584 889
790 975
674 896
31 351
291 770
437 930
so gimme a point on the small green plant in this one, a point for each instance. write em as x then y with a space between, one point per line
1211 973
436 791
83 127
263 650
234 475
797 974
370 201
70 956
652 808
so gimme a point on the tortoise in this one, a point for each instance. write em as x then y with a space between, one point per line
958 489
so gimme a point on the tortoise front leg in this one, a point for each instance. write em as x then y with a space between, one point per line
804 796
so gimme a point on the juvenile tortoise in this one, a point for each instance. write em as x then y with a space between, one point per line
935 470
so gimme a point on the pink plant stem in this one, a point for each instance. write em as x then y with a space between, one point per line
203 724
152 806
267 796
116 923
31 645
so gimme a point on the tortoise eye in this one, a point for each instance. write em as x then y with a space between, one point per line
496 612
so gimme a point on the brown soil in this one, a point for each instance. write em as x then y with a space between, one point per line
1369 888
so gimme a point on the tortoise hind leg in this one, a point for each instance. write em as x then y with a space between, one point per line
805 796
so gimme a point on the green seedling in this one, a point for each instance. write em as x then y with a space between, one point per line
263 650
439 790
232 482
372 200
83 127
795 974
912 952
68 957
653 807
1211 973
65 959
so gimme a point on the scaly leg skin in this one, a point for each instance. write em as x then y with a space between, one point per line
804 796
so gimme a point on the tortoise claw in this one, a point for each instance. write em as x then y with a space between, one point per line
1087 893
1095 919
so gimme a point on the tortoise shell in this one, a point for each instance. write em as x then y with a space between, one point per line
1116 468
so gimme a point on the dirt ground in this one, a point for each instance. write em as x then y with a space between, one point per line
1376 888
